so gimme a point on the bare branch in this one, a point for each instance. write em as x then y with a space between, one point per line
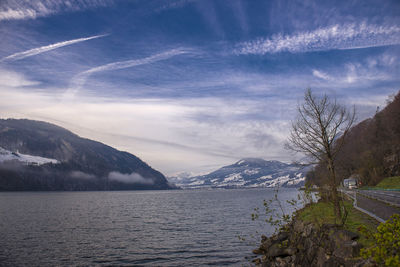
316 131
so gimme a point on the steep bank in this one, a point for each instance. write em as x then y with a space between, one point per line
308 244
313 239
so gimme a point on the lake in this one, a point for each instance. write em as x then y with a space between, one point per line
140 228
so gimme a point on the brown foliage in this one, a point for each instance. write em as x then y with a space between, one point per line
371 148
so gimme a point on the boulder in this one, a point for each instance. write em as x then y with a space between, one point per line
276 251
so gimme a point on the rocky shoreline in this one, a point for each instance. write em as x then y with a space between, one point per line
308 244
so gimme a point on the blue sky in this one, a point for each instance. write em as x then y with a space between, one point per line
193 85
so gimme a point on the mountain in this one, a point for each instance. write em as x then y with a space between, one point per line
37 155
248 172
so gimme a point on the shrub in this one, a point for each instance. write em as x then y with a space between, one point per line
387 239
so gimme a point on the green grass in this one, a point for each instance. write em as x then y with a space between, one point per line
322 213
390 183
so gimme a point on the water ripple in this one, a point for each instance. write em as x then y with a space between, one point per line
151 228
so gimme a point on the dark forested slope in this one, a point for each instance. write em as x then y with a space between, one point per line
41 156
371 148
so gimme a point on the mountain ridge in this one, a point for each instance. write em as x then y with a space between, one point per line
84 164
248 172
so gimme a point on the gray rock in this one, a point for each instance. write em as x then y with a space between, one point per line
347 249
265 245
345 235
257 251
298 226
307 230
275 251
263 238
281 236
257 261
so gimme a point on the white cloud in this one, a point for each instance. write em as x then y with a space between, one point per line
32 9
42 49
321 75
349 36
351 73
27 13
13 79
133 178
357 74
388 60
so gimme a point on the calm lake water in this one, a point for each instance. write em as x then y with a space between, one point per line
139 228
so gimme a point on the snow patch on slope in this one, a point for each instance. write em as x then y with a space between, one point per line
233 177
6 155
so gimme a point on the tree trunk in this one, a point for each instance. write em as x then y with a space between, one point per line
334 192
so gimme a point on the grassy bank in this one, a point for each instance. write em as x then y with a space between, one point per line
322 213
391 183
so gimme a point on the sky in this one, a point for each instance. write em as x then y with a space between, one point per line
193 85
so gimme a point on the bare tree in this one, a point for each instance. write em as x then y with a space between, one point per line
316 131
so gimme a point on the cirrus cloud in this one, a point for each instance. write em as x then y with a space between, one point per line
349 36
32 9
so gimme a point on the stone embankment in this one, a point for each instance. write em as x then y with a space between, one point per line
308 244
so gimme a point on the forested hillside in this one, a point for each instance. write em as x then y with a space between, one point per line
37 155
371 149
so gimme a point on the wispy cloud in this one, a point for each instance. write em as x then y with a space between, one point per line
79 80
321 75
240 14
42 49
350 36
133 178
211 17
10 14
16 10
174 4
10 78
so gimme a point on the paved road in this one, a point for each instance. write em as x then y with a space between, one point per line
390 197
376 203
376 207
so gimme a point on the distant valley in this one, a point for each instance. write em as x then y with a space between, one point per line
247 173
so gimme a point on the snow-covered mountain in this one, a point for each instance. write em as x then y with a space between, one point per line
248 172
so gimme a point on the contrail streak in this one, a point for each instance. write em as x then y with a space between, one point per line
80 79
42 49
